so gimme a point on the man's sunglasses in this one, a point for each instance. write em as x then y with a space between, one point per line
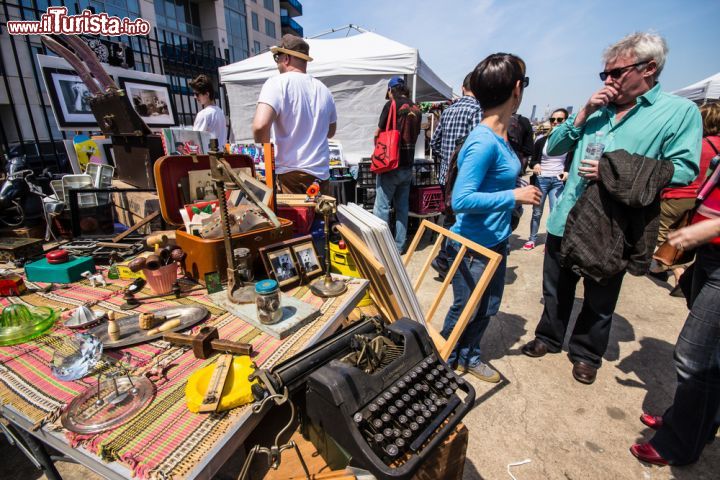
276 57
618 72
556 119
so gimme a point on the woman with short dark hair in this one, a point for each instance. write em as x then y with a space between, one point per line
210 118
483 198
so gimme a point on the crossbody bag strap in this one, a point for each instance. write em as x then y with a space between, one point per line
392 118
712 180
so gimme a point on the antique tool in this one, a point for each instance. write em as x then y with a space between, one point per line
327 286
168 325
131 333
207 342
214 391
237 389
132 302
136 227
156 239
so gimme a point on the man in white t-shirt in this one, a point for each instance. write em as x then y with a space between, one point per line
210 118
300 111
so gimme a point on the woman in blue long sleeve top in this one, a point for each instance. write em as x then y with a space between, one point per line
483 198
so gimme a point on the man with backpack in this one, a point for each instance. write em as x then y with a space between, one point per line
455 123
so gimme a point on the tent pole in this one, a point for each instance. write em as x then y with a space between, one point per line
414 87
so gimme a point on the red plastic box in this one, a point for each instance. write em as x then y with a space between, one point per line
426 200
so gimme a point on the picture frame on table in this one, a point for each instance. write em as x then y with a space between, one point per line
307 259
70 99
151 100
282 267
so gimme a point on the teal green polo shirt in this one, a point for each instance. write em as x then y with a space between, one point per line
660 126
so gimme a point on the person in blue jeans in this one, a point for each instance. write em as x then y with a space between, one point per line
392 189
549 174
483 199
692 421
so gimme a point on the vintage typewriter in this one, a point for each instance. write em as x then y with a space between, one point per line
373 396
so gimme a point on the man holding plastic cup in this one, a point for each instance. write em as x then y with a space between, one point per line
631 113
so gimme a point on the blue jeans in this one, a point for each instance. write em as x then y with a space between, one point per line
692 420
550 187
467 350
393 189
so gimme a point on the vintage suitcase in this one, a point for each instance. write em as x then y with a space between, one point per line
207 255
135 157
12 249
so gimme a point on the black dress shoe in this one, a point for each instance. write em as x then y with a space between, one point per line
584 373
535 348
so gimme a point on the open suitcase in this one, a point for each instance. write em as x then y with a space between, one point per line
207 255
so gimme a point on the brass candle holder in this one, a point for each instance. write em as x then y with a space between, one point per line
326 286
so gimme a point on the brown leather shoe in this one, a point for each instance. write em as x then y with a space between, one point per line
535 348
584 373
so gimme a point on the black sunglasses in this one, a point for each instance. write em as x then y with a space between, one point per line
276 57
556 119
618 72
526 82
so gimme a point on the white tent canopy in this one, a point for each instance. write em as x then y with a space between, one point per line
708 88
356 69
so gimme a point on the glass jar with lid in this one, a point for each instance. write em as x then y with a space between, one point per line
267 300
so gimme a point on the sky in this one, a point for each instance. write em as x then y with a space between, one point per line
561 41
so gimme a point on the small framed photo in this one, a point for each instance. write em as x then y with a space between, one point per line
307 259
152 101
70 98
281 264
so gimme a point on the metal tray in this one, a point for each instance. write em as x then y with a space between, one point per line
132 334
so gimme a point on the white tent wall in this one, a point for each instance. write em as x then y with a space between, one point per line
356 69
707 89
359 100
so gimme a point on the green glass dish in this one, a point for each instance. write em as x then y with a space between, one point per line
19 323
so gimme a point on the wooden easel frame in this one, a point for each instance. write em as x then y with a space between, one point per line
381 293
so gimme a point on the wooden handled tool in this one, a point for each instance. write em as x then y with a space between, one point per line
217 383
207 342
169 325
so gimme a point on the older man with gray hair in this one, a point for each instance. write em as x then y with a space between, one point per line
631 113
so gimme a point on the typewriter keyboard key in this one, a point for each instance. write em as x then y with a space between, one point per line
385 417
413 375
433 396
401 384
377 423
432 358
402 419
439 402
418 369
449 391
378 437
392 410
407 433
414 427
388 433
432 408
440 385
418 386
410 412
454 386
420 420
427 413
412 392
423 364
399 403
387 395
396 433
406 398
440 367
460 380
429 377
407 379
428 402
425 388
373 408
435 372
444 380
394 390
399 442
392 450
358 417
416 407
449 375
423 407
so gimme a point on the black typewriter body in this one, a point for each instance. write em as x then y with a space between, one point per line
390 420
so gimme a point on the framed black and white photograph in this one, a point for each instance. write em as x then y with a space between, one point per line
70 98
151 100
307 259
282 266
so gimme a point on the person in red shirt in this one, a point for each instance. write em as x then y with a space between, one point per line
678 200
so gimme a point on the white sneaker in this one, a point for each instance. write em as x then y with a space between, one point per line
483 372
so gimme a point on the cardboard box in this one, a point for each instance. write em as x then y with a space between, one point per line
131 207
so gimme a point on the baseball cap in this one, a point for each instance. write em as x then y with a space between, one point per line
295 46
396 81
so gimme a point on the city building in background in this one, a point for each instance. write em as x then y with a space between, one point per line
189 37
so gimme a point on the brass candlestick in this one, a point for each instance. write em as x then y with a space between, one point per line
327 286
